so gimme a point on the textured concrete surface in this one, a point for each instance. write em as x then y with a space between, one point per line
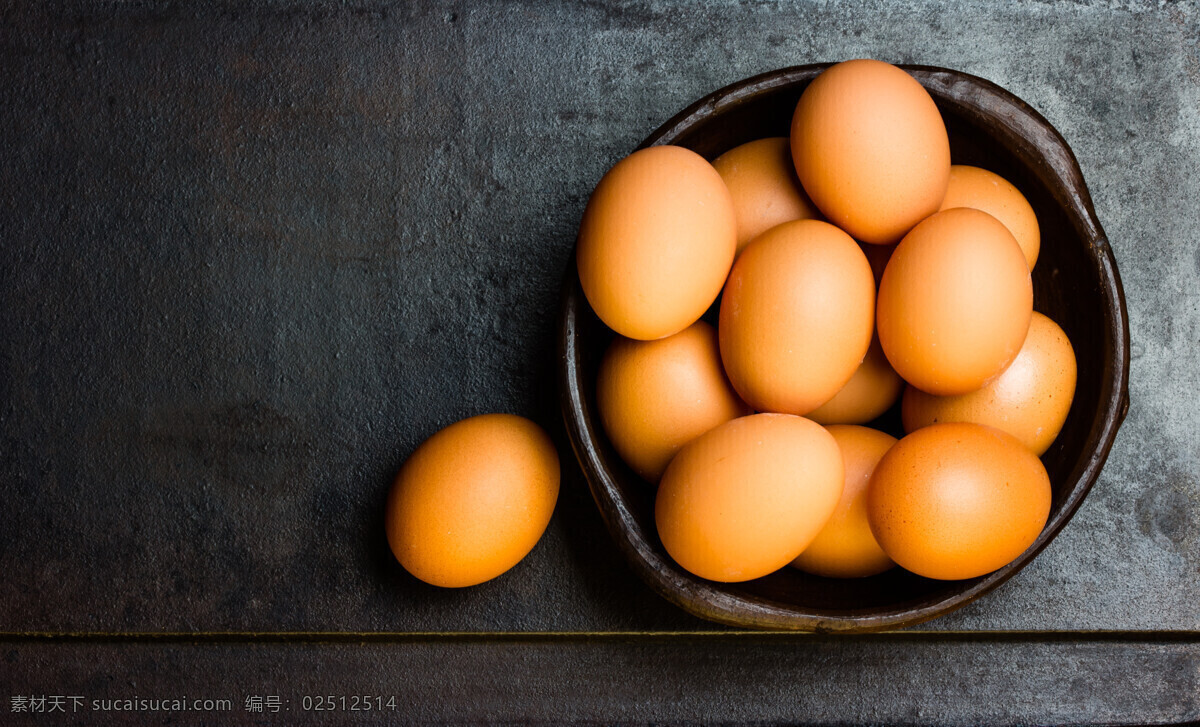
713 679
251 256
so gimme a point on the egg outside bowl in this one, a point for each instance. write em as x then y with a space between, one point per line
1075 283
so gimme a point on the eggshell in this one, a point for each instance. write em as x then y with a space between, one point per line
871 391
746 498
1030 400
764 187
871 149
656 242
656 396
987 191
955 302
845 547
796 316
473 500
958 500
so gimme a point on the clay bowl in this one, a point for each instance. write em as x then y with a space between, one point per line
1075 283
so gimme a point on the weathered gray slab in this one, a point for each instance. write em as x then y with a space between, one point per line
923 680
251 255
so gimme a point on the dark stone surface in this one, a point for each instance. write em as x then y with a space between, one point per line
742 678
251 256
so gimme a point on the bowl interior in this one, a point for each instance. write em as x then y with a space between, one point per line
1075 284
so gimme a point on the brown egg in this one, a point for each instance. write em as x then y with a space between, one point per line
870 392
473 500
764 187
744 500
954 501
656 242
984 190
656 396
871 149
1030 400
955 302
796 316
845 547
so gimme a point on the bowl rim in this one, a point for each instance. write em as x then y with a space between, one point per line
1022 128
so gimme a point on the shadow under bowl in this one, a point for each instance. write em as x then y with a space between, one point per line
1075 283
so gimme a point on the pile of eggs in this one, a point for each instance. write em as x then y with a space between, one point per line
856 267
